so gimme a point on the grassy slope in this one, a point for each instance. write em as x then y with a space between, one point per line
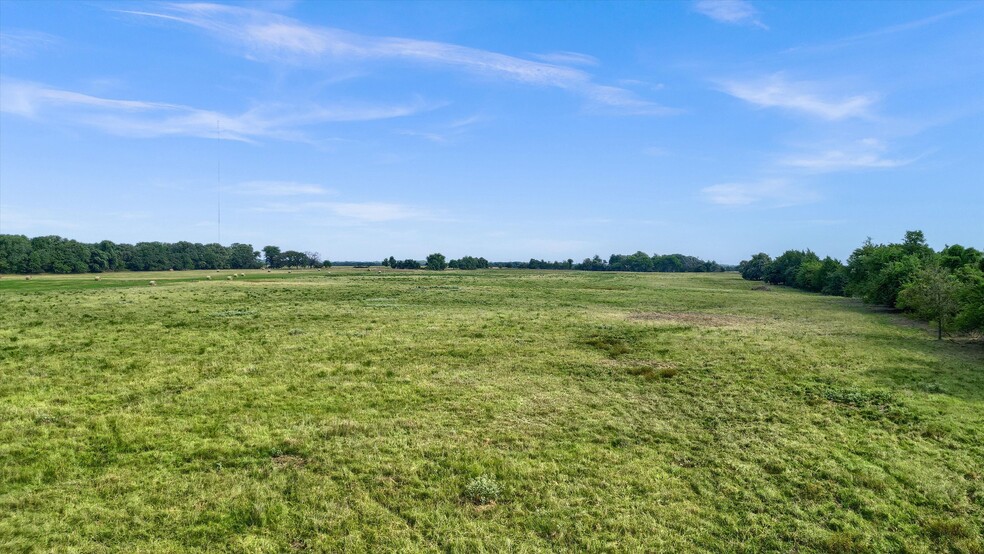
619 412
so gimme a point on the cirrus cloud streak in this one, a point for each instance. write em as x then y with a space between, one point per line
145 119
279 39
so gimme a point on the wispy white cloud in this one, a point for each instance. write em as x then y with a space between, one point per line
735 12
567 58
275 38
279 188
445 133
806 97
374 211
352 212
641 84
770 193
864 154
884 31
16 43
137 118
432 137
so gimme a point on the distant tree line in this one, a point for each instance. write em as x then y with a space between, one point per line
469 262
401 264
276 259
640 261
434 262
54 254
946 287
536 264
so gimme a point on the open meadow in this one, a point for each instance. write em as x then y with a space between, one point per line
514 411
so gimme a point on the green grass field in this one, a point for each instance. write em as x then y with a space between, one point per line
366 411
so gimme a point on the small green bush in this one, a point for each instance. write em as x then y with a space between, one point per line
483 490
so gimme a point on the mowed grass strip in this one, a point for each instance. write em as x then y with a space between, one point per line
478 411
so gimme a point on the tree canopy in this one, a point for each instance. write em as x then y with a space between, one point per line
946 286
54 254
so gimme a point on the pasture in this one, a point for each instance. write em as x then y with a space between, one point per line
485 411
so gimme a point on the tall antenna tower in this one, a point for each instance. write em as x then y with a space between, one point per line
218 180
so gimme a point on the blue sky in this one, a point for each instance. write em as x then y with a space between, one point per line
505 130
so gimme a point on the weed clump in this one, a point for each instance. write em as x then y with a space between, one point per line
872 405
483 490
612 344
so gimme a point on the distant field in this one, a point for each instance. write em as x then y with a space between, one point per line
353 410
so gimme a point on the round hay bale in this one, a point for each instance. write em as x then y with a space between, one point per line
229 278
98 277
28 278
208 277
153 283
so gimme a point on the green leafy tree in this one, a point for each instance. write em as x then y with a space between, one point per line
971 298
914 244
755 268
436 262
14 253
242 256
272 257
877 273
785 269
932 295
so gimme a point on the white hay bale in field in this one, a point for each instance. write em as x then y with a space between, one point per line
28 278
229 278
98 277
208 277
153 283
